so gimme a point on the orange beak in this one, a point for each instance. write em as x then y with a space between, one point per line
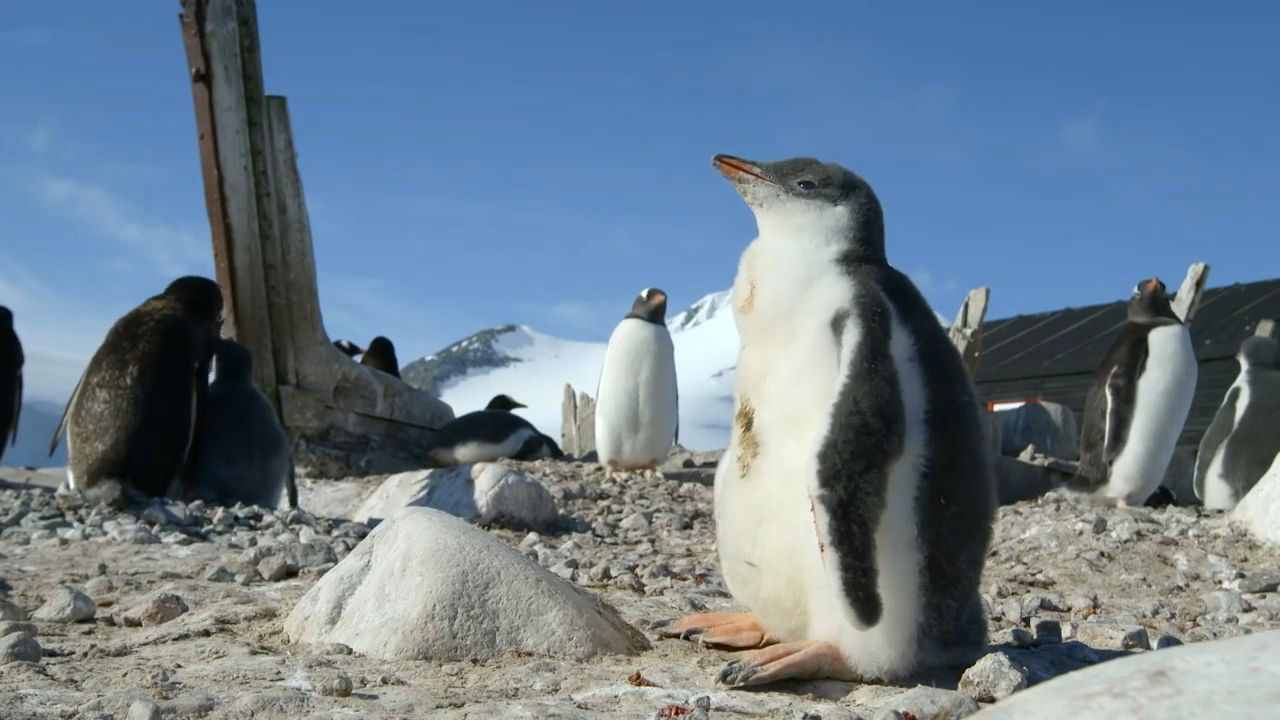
735 168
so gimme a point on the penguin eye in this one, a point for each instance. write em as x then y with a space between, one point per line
807 185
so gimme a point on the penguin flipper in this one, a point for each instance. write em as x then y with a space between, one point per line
291 486
17 413
1122 390
1214 439
66 412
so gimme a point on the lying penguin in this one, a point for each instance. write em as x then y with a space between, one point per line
490 434
1242 441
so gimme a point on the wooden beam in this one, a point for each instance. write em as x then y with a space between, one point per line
1267 328
966 331
1187 301
569 421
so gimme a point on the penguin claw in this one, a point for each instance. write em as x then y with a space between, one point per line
736 673
806 660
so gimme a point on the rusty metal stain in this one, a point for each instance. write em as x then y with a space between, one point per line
744 423
822 547
748 300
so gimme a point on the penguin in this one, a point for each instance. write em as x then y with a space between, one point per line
348 348
1138 403
504 402
132 415
637 402
1243 440
11 360
854 503
241 453
490 434
381 355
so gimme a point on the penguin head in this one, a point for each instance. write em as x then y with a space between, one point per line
199 296
1149 304
504 402
1258 351
381 346
233 361
650 305
6 318
823 203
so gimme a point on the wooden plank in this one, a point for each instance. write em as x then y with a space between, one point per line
966 331
231 47
569 421
289 218
585 433
1266 328
1187 301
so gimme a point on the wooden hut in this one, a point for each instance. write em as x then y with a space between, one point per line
1052 356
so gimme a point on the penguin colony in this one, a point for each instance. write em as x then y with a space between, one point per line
855 501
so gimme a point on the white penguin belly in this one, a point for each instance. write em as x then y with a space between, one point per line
476 451
636 412
1161 403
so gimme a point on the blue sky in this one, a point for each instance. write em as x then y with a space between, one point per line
473 164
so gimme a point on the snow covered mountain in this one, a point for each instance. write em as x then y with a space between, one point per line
533 368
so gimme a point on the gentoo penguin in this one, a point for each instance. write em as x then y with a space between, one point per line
637 405
241 452
132 416
1244 438
381 355
490 434
504 402
10 380
854 504
1139 401
348 348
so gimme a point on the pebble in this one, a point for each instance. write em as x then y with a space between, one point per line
336 686
219 574
635 522
926 703
1262 583
9 611
19 647
1113 636
99 587
1226 602
1048 631
993 678
11 627
1167 641
144 710
66 605
274 568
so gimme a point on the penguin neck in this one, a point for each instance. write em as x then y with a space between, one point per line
825 233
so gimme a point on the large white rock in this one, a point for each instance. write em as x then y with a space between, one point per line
1259 510
1236 678
426 585
483 492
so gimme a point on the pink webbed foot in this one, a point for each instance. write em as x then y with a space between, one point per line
805 660
737 631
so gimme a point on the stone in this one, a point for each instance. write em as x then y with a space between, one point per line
156 610
274 568
926 703
1262 583
19 647
336 686
483 492
144 710
311 554
1049 426
1233 678
994 677
219 574
636 522
1113 636
1048 631
11 612
24 628
426 585
1258 512
1229 602
66 605
1167 641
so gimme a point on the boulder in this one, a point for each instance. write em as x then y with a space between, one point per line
483 492
66 605
1049 426
1259 510
1223 678
426 585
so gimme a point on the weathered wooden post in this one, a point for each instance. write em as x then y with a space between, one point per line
966 331
1187 301
577 422
265 260
1267 328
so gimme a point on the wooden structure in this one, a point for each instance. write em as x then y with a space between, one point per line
966 331
577 423
262 247
1052 356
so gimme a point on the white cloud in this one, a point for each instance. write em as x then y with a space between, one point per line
172 249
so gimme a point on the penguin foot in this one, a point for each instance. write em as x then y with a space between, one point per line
737 631
805 660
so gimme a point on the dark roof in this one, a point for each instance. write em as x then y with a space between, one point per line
1074 340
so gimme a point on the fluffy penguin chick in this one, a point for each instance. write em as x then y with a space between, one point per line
854 503
1242 441
637 406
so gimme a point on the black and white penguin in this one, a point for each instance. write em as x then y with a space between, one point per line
504 402
1244 437
132 416
490 434
854 503
637 401
1139 401
381 355
241 452
11 360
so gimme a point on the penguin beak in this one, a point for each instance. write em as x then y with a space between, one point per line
739 170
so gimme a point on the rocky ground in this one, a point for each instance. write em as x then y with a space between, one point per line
177 610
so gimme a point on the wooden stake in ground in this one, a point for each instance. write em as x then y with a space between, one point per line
966 331
1187 301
